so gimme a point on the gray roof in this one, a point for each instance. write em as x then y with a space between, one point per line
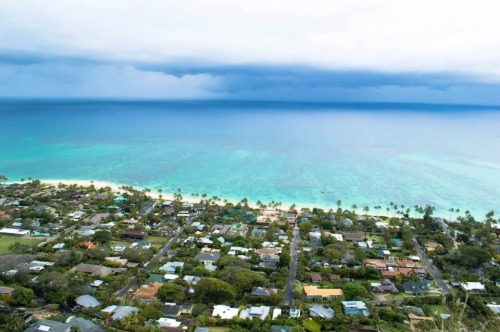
87 301
320 311
84 325
52 324
205 256
201 329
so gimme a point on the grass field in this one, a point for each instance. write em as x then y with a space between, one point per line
7 240
158 239
219 329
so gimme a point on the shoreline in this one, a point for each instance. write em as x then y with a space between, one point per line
170 196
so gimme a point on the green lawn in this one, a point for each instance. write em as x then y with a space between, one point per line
7 240
157 239
219 329
376 238
437 309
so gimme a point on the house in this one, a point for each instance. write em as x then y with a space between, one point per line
14 231
316 277
258 232
6 291
354 236
173 310
147 293
255 312
412 309
207 258
418 287
335 277
169 277
87 301
321 312
147 207
133 235
385 285
472 287
315 237
315 293
280 328
119 312
225 312
117 260
392 272
83 325
172 267
383 253
355 308
46 325
168 324
97 270
494 307
260 291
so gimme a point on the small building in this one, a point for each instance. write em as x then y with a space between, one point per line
355 308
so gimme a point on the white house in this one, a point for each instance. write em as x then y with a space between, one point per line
472 287
225 312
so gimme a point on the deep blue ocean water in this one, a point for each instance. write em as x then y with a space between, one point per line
314 154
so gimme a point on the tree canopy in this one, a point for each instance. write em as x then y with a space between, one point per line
212 290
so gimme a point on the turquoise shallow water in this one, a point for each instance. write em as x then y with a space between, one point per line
365 154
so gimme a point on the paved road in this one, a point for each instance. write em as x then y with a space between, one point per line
153 260
293 267
430 267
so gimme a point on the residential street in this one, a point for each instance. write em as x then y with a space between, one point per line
430 267
155 258
293 267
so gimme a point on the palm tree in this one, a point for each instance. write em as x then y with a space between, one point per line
339 203
366 209
451 211
354 207
3 178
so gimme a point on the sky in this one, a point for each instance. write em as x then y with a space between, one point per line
445 51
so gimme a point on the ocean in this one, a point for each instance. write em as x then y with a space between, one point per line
311 154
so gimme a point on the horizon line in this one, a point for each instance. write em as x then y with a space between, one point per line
275 102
